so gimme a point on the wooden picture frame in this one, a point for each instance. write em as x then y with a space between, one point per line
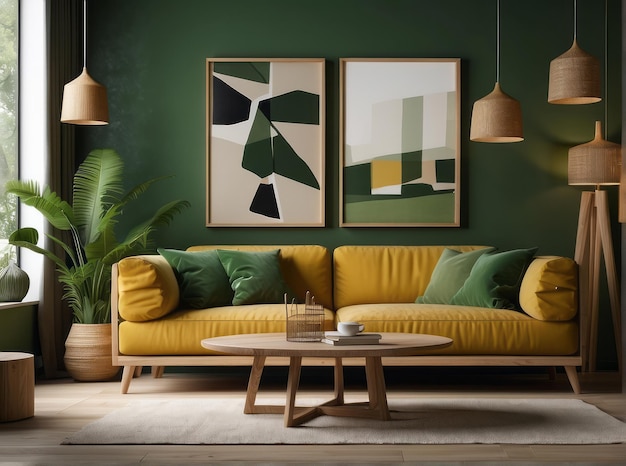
400 142
265 142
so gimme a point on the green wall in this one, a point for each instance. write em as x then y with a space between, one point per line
18 327
151 56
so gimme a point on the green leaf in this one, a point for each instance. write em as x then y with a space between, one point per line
28 238
25 234
97 184
138 237
58 212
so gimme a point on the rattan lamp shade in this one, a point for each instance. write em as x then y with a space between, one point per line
497 117
574 78
598 162
85 102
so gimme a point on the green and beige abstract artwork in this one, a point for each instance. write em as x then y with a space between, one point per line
266 143
400 153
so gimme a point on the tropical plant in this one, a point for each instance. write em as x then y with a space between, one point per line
98 201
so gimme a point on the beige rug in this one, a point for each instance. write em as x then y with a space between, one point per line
415 421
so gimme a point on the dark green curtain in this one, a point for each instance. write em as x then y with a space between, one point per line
64 57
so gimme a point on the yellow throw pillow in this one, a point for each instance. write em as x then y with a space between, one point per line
147 288
549 289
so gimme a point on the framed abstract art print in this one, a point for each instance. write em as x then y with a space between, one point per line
399 142
265 142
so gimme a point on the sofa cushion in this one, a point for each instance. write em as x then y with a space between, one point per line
495 280
255 277
305 267
449 275
202 279
181 332
474 331
147 288
549 289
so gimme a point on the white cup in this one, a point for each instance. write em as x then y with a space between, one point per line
350 328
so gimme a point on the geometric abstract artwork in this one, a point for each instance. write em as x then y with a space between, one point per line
265 142
400 142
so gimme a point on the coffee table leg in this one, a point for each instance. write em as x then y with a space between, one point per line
293 380
253 384
376 387
339 387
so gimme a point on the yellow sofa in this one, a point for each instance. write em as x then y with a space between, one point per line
375 285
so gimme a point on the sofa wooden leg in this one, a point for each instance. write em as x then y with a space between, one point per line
572 376
157 371
137 371
127 376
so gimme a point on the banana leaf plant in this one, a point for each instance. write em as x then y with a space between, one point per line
99 199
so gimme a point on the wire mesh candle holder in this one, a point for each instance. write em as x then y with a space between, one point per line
304 323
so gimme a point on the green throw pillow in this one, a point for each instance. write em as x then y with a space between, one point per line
202 280
449 275
495 280
255 277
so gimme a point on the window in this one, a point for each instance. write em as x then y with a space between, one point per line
8 122
23 113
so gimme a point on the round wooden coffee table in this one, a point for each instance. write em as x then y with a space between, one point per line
261 345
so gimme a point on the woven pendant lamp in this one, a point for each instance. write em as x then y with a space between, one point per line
84 99
574 76
85 102
497 117
598 162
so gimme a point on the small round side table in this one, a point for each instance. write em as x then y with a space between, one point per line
17 386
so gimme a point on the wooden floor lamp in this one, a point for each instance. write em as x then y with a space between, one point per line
596 163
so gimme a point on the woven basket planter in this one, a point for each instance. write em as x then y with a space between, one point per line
88 353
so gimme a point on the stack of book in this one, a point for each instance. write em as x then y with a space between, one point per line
339 339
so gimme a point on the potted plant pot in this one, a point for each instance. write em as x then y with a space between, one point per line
88 353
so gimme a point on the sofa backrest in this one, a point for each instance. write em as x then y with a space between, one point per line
384 274
304 267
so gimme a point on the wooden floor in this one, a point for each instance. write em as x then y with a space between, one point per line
63 406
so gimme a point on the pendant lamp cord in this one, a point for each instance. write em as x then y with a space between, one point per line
498 44
84 33
606 70
575 19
